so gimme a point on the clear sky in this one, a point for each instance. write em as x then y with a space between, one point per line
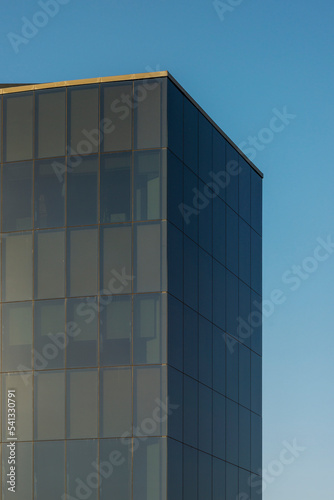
244 63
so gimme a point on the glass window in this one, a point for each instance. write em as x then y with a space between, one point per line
205 284
116 187
49 264
205 220
150 113
82 192
244 251
190 342
256 202
244 326
218 161
175 470
82 258
255 322
24 460
205 476
219 294
115 402
204 418
49 193
190 473
190 135
232 186
150 264
256 443
116 249
17 267
218 479
49 469
116 469
244 437
175 399
175 261
205 148
219 227
218 425
116 126
82 332
49 411
149 328
81 408
50 122
192 205
256 262
175 333
232 304
232 370
175 119
232 442
17 192
190 279
17 336
22 384
150 185
231 481
190 411
18 127
149 398
232 225
175 190
245 483
115 330
256 383
218 356
81 473
244 376
149 469
83 129
244 190
49 334
205 351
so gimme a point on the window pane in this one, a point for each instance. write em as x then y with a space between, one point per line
205 284
81 457
204 418
218 160
116 456
219 294
256 443
256 202
175 190
191 205
244 376
244 251
50 122
82 333
190 412
244 190
49 470
24 485
256 262
150 113
232 369
22 383
232 441
205 219
175 470
17 336
49 405
82 192
175 119
205 148
255 323
190 135
232 224
190 473
190 280
17 200
149 396
256 383
149 334
232 188
49 194
175 400
117 108
218 240
82 247
190 342
116 187
49 334
18 128
231 481
81 395
115 330
245 330
218 486
150 185
175 333
17 267
116 250
244 437
219 360
83 118
219 424
149 470
232 304
49 264
175 261
116 402
205 352
150 257
204 476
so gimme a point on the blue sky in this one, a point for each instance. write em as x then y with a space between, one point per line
253 60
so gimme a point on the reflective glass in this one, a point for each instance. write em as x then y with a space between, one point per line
190 209
256 323
81 403
49 405
232 224
116 187
175 207
49 334
232 169
205 284
150 185
22 384
80 460
190 473
204 148
256 202
218 479
50 123
190 411
175 119
256 383
244 483
149 328
175 399
190 135
218 241
231 304
204 418
116 248
49 264
82 261
116 469
18 127
149 469
83 130
49 470
205 351
244 326
219 425
24 461
115 330
219 294
190 329
116 110
231 481
244 438
244 376
17 199
204 476
205 219
175 261
82 332
244 252
115 411
218 360
218 161
190 278
245 190
174 470
256 262
175 333
49 194
17 336
256 443
232 370
232 441
82 186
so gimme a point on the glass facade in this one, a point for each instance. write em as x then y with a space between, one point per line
130 295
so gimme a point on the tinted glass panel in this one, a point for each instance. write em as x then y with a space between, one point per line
256 202
218 360
150 185
205 148
83 133
231 481
82 247
175 119
192 205
149 470
244 326
219 422
232 224
175 191
175 399
255 322
116 411
49 264
18 120
22 384
175 333
244 376
232 370
244 437
190 135
256 443
175 261
49 412
17 336
218 241
218 158
190 411
17 196
256 383
205 476
190 342
50 122
49 470
24 461
232 441
175 470
82 397
81 455
205 284
256 262
82 192
49 194
219 294
150 257
49 334
244 251
190 473
82 332
231 304
116 248
244 190
204 418
205 219
116 465
116 187
116 126
190 273
232 169
218 479
205 351
17 267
